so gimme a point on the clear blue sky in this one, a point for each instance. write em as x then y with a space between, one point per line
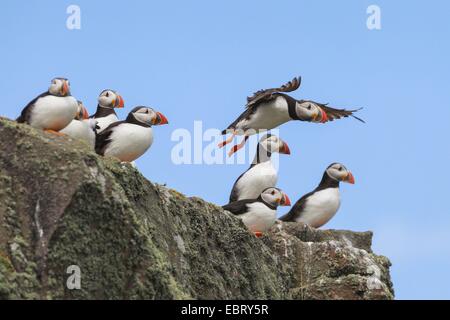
198 60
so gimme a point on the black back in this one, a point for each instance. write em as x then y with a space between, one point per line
26 112
240 207
299 207
102 112
102 139
234 195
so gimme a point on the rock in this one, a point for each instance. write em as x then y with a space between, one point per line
61 205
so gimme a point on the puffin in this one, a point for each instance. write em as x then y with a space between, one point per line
319 206
105 114
81 127
52 110
259 214
261 174
269 108
129 139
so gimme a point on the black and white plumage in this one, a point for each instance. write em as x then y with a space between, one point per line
261 174
259 214
319 206
52 110
82 128
105 114
270 108
128 140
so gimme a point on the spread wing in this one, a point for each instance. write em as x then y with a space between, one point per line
334 114
238 207
103 138
26 112
267 94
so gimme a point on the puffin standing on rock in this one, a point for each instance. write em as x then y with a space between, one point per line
128 140
270 108
53 110
105 114
259 214
319 206
261 174
82 128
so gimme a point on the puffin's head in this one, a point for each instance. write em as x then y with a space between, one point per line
272 143
110 99
82 112
275 197
339 172
59 87
148 116
310 111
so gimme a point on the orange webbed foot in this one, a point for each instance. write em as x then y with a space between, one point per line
258 234
54 132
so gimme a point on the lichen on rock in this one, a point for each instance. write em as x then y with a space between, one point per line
62 205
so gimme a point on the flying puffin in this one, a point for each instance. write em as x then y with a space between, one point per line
81 127
259 214
261 174
319 206
270 108
128 140
105 114
52 110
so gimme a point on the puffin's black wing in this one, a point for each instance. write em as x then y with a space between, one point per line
334 114
102 139
26 112
267 94
297 209
238 207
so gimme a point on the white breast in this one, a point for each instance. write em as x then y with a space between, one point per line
53 113
81 130
268 115
320 207
259 217
129 142
104 122
255 180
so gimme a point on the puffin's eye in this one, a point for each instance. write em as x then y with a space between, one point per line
273 192
146 111
107 94
340 169
309 107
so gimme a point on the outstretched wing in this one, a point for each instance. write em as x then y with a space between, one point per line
334 114
267 94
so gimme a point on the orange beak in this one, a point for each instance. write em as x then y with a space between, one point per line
85 113
324 116
285 149
119 103
285 201
350 178
161 119
64 89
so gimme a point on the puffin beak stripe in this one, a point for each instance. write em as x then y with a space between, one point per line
120 101
161 119
64 88
85 113
324 116
285 149
350 178
286 201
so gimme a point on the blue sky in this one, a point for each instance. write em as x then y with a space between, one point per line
198 60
